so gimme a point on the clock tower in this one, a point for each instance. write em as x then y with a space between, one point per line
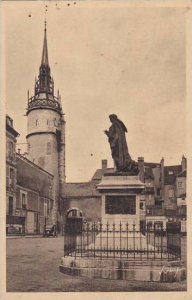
46 128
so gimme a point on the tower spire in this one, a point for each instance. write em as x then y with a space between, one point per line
45 60
44 84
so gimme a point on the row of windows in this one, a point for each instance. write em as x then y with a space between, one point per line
171 191
54 122
48 149
23 197
24 204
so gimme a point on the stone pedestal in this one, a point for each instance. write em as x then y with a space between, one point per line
117 248
121 196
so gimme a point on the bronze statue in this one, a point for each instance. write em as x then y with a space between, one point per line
119 149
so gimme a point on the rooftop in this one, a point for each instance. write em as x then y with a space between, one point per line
171 172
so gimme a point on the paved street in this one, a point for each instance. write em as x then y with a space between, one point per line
33 263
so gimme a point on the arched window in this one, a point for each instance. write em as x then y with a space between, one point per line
74 212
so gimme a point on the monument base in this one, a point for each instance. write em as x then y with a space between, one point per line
161 271
121 196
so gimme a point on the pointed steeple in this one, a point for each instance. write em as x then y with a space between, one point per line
44 84
45 60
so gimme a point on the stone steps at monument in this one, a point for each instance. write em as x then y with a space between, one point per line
81 262
123 270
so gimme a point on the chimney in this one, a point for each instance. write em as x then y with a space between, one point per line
104 165
184 163
141 168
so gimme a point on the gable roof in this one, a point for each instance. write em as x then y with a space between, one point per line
170 173
152 165
182 173
79 190
148 173
99 173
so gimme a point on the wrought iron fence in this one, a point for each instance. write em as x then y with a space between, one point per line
122 241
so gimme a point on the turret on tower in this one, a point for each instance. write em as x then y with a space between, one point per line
44 85
46 128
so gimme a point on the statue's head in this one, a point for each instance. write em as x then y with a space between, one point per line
112 117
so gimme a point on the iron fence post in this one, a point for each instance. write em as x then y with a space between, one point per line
120 227
107 237
101 239
114 239
127 235
134 240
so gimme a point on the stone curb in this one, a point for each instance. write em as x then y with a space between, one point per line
124 270
28 236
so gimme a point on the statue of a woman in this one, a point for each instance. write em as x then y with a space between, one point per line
118 144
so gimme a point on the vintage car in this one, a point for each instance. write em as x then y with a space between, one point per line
50 230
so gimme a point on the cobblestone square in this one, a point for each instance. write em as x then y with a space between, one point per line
33 266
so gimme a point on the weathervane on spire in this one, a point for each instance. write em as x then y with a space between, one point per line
46 9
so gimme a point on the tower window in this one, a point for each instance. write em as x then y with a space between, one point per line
36 122
48 148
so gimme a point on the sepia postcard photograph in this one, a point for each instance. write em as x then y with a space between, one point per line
95 121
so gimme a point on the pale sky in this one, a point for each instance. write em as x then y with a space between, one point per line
127 61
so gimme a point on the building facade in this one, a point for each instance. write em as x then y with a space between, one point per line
163 199
29 190
34 195
13 222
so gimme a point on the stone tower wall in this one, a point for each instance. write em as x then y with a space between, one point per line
43 146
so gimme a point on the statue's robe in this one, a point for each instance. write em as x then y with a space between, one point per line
119 149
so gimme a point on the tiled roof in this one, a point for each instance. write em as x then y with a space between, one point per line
182 173
149 173
99 172
79 189
151 165
170 173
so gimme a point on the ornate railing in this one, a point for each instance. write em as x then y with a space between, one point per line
121 241
34 102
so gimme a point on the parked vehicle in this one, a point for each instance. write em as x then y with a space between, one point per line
50 230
